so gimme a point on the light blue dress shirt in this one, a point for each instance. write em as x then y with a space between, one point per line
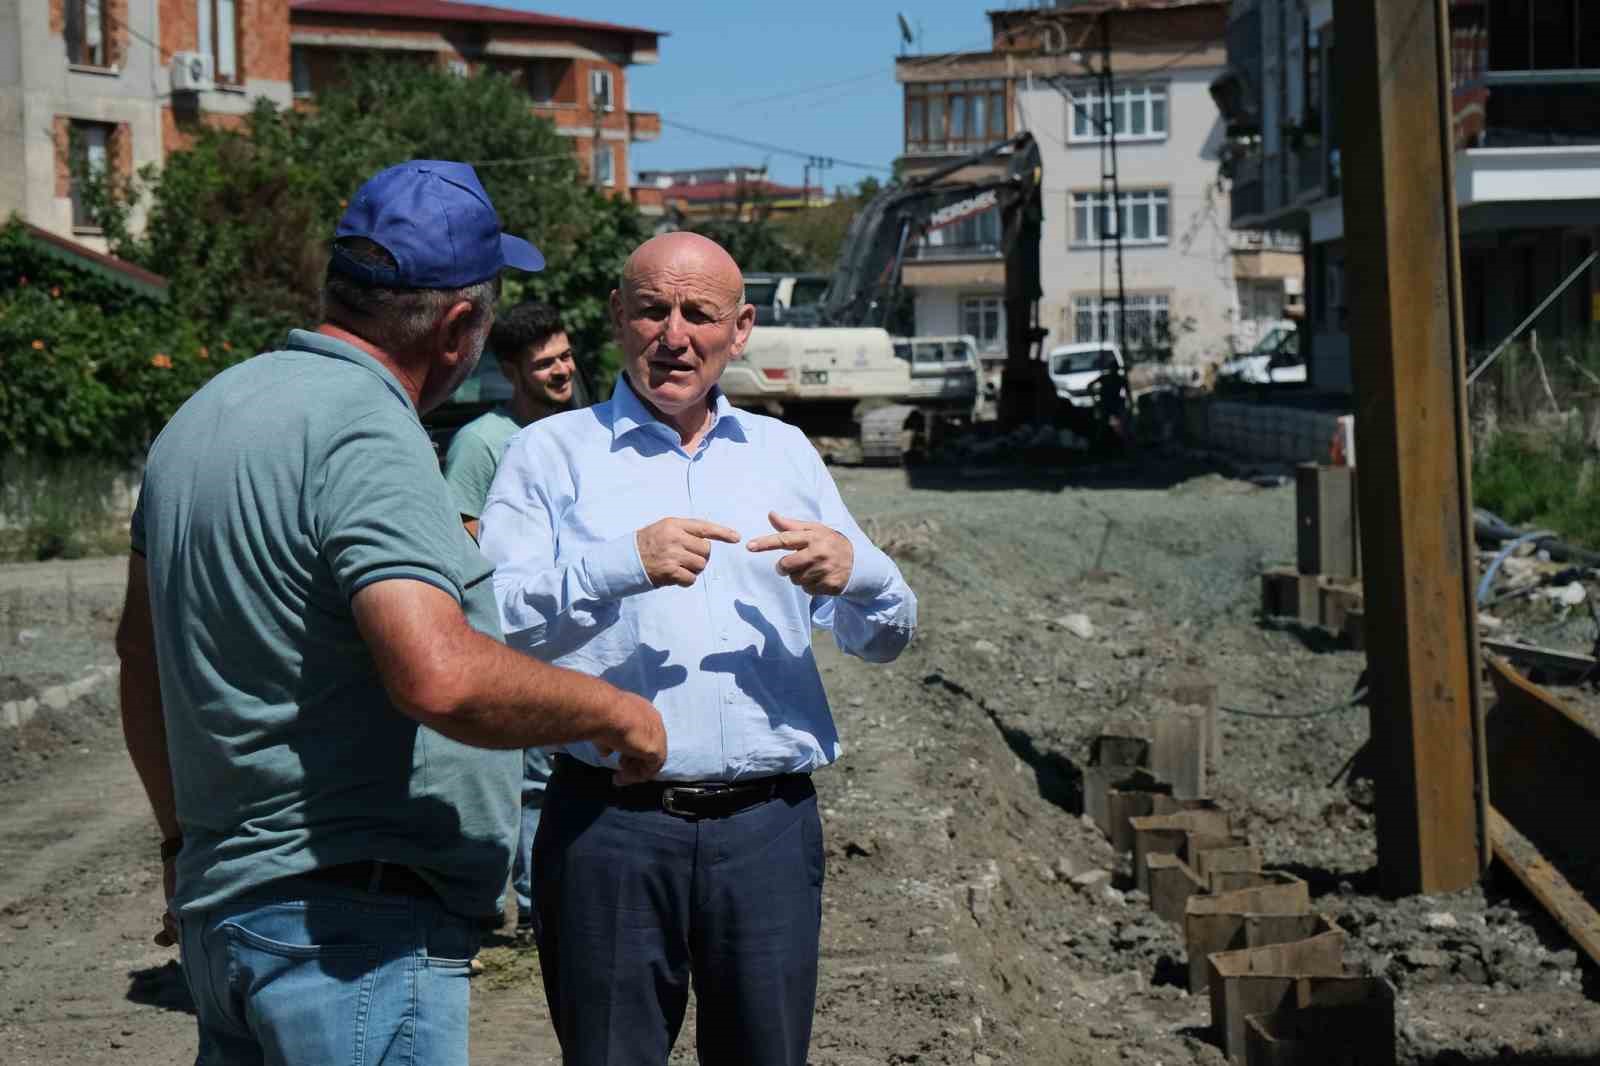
727 661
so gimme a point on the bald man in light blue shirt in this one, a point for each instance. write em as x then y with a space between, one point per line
684 550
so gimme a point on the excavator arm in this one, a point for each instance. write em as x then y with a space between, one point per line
866 283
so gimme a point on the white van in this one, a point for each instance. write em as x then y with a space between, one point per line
1075 370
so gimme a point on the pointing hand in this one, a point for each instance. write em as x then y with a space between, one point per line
675 550
820 558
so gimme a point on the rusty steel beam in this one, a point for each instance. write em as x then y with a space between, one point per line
1402 266
1542 761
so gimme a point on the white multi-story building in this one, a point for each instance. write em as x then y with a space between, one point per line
1190 288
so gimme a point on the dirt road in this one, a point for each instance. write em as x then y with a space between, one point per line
953 932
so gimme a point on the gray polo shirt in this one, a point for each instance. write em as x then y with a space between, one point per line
280 489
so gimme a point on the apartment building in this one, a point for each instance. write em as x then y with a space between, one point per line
574 70
1527 158
1191 290
92 83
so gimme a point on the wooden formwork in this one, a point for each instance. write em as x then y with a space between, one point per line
1277 911
1275 977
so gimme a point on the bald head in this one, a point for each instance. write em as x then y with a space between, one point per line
680 316
686 254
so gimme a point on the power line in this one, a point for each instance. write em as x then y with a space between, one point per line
774 148
161 53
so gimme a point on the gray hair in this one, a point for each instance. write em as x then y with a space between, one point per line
396 319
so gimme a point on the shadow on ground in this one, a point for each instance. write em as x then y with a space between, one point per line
160 986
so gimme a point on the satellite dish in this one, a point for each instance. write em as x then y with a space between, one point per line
905 30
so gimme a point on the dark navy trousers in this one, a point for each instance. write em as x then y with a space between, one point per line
636 903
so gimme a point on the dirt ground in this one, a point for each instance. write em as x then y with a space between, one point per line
952 930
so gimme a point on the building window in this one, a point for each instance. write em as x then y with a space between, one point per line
1141 216
1145 322
600 97
459 67
300 70
944 116
603 172
218 24
547 80
984 317
1136 112
88 33
88 147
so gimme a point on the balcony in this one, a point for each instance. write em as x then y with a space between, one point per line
644 125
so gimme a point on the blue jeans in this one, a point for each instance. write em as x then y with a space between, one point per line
308 974
535 776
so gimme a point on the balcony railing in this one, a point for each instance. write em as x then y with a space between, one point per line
1264 240
930 252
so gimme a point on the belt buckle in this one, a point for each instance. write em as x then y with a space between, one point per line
669 798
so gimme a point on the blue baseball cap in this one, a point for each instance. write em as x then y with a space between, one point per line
436 220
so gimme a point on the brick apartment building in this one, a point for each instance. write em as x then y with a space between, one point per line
101 81
575 70
92 79
734 192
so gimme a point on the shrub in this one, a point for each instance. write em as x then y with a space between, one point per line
88 367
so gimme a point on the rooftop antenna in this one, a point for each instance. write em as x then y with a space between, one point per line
906 36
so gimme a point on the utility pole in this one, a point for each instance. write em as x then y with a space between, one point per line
1110 188
1403 269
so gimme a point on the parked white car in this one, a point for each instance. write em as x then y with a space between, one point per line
1076 368
1275 360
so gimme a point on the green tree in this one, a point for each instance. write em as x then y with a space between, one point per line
240 222
756 244
817 234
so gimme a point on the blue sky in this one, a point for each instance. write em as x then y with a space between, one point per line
722 58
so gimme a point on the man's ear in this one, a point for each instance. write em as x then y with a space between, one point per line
454 331
617 311
743 323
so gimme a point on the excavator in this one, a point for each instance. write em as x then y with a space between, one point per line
838 354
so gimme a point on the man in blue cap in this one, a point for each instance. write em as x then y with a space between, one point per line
314 691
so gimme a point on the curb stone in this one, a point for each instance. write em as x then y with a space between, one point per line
15 713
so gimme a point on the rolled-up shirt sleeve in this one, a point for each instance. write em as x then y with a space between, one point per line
550 605
876 615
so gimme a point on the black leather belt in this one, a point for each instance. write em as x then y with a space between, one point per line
381 877
686 799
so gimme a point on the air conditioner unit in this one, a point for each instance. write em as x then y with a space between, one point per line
192 72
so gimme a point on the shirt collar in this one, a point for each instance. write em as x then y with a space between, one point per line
306 340
628 413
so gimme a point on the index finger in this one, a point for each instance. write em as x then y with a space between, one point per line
709 530
775 542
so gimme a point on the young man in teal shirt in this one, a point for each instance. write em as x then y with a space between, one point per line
535 355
